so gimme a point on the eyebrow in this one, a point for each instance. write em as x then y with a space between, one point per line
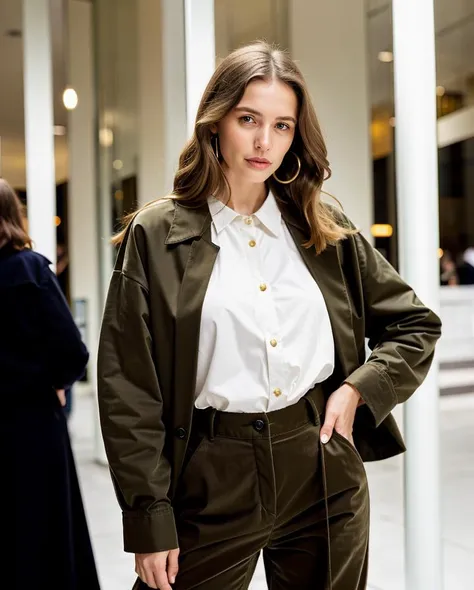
258 114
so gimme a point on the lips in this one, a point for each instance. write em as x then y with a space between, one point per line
259 160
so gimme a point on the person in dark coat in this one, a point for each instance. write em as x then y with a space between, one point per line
41 354
466 268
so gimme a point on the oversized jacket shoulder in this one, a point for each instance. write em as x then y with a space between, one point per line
153 222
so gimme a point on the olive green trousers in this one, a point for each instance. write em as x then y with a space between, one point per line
263 482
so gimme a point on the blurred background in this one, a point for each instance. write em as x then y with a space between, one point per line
122 77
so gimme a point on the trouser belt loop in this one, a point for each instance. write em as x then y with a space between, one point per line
212 421
313 409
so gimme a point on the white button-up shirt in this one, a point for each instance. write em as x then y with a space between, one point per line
265 336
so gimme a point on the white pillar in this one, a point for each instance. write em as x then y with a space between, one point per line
39 139
200 54
82 202
151 159
417 188
328 41
174 86
188 62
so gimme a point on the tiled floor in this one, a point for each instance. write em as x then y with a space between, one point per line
386 485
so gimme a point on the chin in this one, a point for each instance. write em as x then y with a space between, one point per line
257 175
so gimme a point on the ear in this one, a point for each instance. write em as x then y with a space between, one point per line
214 129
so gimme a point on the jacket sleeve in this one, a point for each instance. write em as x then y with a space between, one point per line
66 355
402 334
130 405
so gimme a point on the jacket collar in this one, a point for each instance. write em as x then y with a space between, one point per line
193 222
189 222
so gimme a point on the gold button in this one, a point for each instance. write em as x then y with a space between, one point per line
248 220
277 392
252 243
273 342
263 287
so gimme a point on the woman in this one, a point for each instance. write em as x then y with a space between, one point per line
41 354
232 383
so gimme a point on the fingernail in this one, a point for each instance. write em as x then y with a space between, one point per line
173 579
324 439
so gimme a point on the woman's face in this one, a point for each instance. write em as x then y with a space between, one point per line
255 136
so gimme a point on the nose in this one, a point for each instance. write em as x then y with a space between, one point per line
263 139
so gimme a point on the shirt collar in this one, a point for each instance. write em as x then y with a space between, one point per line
268 215
222 216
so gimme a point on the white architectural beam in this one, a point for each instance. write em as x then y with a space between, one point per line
417 191
39 139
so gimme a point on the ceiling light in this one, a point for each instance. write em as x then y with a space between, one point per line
70 99
385 57
117 164
392 121
106 137
440 90
59 130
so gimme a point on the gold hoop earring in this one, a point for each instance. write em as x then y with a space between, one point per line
216 150
298 161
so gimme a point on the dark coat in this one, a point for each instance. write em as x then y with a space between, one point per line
149 347
40 350
466 274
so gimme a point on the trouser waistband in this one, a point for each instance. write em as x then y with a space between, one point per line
248 425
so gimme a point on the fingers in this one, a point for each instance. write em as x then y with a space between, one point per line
173 565
61 396
328 427
157 570
161 579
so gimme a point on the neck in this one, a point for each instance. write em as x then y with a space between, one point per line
246 197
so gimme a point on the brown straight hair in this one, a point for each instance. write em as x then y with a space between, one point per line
12 219
199 172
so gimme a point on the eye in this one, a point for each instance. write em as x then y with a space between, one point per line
283 126
247 119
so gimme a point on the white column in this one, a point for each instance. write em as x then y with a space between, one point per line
328 40
39 139
417 188
174 86
151 160
200 54
188 62
82 202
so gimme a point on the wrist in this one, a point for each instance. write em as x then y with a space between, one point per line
355 392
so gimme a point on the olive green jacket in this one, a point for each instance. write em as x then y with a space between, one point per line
149 346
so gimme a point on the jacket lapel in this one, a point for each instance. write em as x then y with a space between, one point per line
326 270
190 231
201 259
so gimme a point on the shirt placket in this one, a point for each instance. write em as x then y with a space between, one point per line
265 312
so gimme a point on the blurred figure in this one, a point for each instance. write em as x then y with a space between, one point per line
466 267
41 354
448 272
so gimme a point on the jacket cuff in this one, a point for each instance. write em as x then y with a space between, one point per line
149 532
376 389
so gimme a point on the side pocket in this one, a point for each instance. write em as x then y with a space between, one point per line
347 443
